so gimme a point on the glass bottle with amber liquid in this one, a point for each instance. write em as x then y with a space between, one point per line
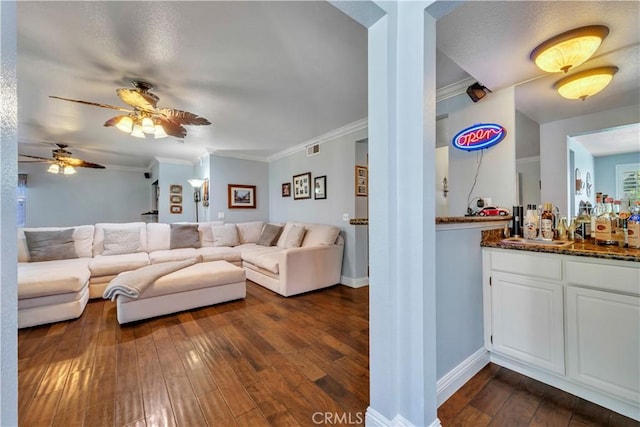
606 225
546 222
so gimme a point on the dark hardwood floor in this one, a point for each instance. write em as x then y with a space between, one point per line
262 361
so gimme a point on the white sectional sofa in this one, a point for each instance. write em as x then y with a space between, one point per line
55 285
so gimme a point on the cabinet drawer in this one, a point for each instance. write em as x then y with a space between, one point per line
528 264
608 277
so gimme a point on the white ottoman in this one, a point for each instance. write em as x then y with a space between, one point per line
195 286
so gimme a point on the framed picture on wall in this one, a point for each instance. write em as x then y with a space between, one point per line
320 187
242 196
362 181
175 198
175 189
302 186
175 209
205 192
286 189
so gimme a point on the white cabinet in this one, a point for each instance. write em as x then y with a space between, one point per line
603 341
527 319
572 322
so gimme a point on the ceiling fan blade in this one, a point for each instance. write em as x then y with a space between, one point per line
95 104
137 99
72 161
36 157
172 128
36 161
183 117
113 121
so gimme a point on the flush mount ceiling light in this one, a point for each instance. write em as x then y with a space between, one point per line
585 83
569 49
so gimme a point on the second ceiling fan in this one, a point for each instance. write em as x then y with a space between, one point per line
146 118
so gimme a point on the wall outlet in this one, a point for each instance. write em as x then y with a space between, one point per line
220 215
345 217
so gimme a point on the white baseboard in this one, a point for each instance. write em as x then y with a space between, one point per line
458 376
374 418
357 282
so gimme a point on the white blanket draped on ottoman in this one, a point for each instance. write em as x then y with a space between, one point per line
132 283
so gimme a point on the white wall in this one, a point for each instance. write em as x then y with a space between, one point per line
442 171
554 159
226 170
88 197
361 264
528 170
497 173
584 161
202 170
336 160
527 137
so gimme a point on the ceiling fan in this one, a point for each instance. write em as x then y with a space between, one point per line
146 118
61 161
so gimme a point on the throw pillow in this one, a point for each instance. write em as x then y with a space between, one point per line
293 237
225 235
184 236
118 241
269 235
50 245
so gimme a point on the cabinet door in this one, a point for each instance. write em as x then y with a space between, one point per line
603 333
527 320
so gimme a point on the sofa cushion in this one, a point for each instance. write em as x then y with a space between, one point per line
50 245
102 265
225 235
172 255
184 236
293 237
37 279
98 237
270 234
82 240
158 236
222 253
320 235
285 229
267 257
249 232
121 241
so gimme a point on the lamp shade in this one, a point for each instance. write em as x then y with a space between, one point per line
68 170
137 132
54 168
585 83
147 125
196 183
125 124
569 49
159 132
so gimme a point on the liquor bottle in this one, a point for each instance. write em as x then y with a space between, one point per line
598 209
530 226
606 225
583 225
546 222
633 228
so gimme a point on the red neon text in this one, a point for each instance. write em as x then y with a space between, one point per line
482 134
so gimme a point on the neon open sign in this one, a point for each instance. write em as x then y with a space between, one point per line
479 136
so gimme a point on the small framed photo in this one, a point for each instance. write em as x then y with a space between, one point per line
175 198
286 189
362 181
302 186
242 196
175 209
205 192
320 187
175 189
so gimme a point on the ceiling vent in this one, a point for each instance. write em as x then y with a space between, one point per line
312 150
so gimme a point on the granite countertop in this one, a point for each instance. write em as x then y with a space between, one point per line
463 219
491 239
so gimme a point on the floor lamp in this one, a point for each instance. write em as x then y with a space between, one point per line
196 184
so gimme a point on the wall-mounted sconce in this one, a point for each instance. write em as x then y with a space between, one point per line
445 186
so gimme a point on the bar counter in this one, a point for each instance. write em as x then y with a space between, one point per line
588 248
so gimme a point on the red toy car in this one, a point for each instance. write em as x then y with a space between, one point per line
492 211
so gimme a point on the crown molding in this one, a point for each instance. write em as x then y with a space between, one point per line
524 160
174 161
334 134
126 168
454 89
239 156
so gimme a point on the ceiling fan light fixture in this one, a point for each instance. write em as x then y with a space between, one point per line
159 132
54 168
137 131
68 170
147 125
569 49
585 83
125 124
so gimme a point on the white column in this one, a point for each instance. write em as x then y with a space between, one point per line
8 208
402 216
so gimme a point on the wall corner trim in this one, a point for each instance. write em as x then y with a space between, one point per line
376 419
357 282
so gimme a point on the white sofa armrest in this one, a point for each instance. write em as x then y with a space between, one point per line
309 268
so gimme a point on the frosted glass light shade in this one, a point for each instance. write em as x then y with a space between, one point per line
196 183
125 124
68 170
147 125
54 168
585 83
569 49
159 132
137 132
